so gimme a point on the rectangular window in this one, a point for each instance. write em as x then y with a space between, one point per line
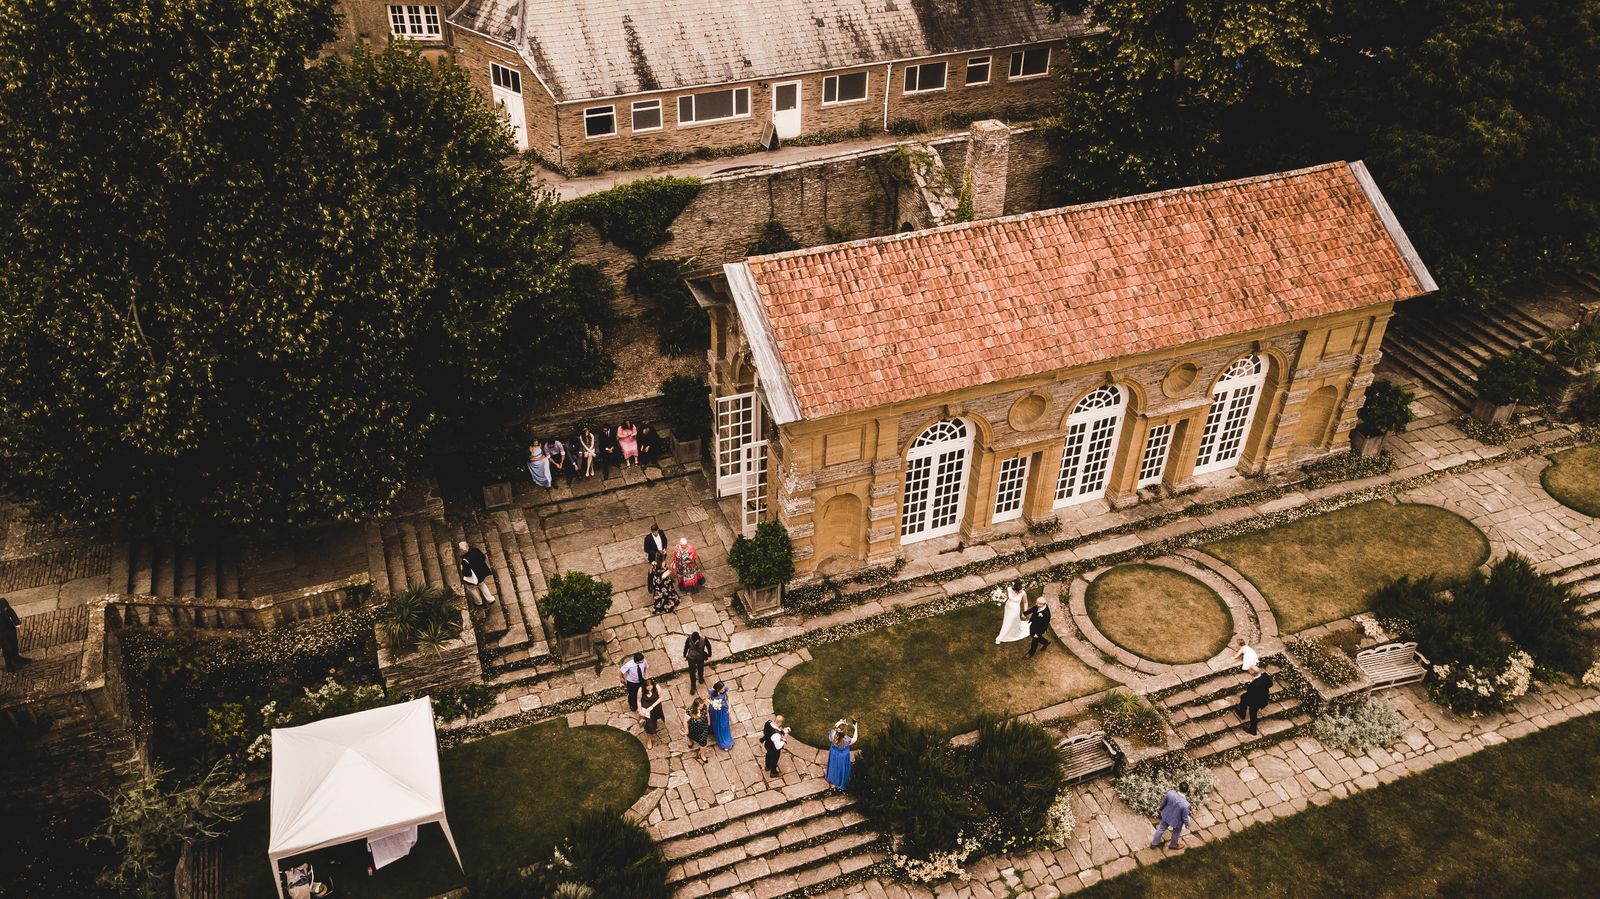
600 121
844 88
1154 462
1030 63
714 105
978 70
1008 495
927 77
646 116
415 21
508 79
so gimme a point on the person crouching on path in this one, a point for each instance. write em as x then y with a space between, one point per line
1174 814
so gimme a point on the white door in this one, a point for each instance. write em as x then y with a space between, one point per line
754 490
936 477
738 423
1009 489
506 84
786 108
1233 407
1092 431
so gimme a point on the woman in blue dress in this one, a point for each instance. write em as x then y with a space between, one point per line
839 747
539 465
721 722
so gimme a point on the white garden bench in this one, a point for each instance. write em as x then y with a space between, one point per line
1392 665
1089 755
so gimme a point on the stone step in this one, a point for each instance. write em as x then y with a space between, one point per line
1486 334
1588 280
1218 720
817 830
759 824
1522 322
1462 343
784 872
1203 690
1399 354
1441 363
1590 609
492 617
1270 730
1580 575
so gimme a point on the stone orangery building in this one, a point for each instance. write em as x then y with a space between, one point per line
951 384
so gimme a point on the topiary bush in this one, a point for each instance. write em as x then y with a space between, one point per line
419 618
1386 409
765 560
577 602
1508 378
686 405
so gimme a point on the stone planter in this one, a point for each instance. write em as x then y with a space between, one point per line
576 649
497 495
686 451
416 673
761 602
1492 413
1364 446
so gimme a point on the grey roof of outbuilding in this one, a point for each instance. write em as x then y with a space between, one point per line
584 49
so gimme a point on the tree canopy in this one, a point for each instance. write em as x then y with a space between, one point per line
1479 119
240 286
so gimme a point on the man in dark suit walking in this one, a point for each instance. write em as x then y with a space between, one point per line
1256 696
655 543
1038 625
772 739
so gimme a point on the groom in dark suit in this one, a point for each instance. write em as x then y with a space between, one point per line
655 543
1038 625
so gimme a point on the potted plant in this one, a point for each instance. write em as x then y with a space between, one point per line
577 603
764 563
1387 410
1505 380
686 405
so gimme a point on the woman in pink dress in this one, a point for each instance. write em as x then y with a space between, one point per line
628 442
686 565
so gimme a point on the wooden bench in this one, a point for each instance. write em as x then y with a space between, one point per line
1392 665
1090 755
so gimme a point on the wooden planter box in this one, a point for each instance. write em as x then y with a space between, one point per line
762 602
1366 447
1491 413
497 495
576 649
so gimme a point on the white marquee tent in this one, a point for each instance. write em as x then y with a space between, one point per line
356 776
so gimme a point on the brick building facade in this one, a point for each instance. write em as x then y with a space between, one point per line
900 394
375 23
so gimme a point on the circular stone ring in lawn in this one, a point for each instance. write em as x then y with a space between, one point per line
1574 479
1157 613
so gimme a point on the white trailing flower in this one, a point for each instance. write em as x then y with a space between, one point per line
938 865
1370 626
1142 790
1591 678
1060 820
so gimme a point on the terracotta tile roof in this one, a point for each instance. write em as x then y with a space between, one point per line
897 318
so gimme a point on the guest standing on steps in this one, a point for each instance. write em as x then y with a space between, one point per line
1038 625
1173 814
475 574
696 652
1255 698
634 671
721 719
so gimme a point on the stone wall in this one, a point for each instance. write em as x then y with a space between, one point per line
417 673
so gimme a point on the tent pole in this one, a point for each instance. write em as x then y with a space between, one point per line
445 824
277 877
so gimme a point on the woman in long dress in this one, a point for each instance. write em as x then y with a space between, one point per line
697 726
663 585
839 748
1012 625
628 442
539 465
686 565
721 720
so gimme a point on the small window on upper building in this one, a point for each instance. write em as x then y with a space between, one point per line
714 105
978 70
844 88
927 77
505 78
419 22
1030 63
600 121
646 116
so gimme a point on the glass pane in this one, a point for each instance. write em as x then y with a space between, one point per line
599 122
685 109
741 101
787 97
830 90
646 116
978 70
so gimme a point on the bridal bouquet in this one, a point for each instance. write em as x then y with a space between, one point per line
716 705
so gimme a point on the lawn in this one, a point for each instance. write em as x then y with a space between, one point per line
1160 614
1521 819
1324 567
508 798
1574 479
944 671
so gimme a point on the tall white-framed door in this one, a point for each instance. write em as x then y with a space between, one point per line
738 423
786 104
506 84
936 479
1010 489
753 492
1233 408
1091 447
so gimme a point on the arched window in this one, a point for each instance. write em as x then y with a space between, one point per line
936 477
1092 431
1233 406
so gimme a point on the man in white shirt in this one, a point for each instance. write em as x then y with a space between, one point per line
633 675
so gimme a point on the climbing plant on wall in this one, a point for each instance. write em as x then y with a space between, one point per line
635 216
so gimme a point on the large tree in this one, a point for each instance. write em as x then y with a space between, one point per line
239 286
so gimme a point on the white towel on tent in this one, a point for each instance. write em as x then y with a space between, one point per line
390 847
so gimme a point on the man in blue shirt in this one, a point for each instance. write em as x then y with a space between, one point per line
1174 813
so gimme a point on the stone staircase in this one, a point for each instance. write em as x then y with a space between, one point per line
1444 348
1202 713
1583 579
202 570
797 843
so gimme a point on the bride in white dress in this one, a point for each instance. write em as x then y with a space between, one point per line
1012 626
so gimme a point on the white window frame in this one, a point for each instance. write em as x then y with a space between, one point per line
834 81
505 78
988 71
416 21
633 116
1153 461
1019 60
930 462
918 67
1011 488
595 112
695 120
1094 430
1234 400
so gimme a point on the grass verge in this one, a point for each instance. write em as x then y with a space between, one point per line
1574 479
1159 614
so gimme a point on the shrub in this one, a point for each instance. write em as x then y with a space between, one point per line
149 821
1453 624
1386 410
682 327
1508 378
331 699
1327 662
636 215
911 782
686 405
468 701
1121 714
775 238
1540 615
1018 771
419 618
1142 789
765 560
1577 347
1474 689
577 602
613 856
1366 725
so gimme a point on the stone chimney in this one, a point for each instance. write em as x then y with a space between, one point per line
988 156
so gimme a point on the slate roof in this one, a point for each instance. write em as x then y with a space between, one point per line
586 49
852 326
